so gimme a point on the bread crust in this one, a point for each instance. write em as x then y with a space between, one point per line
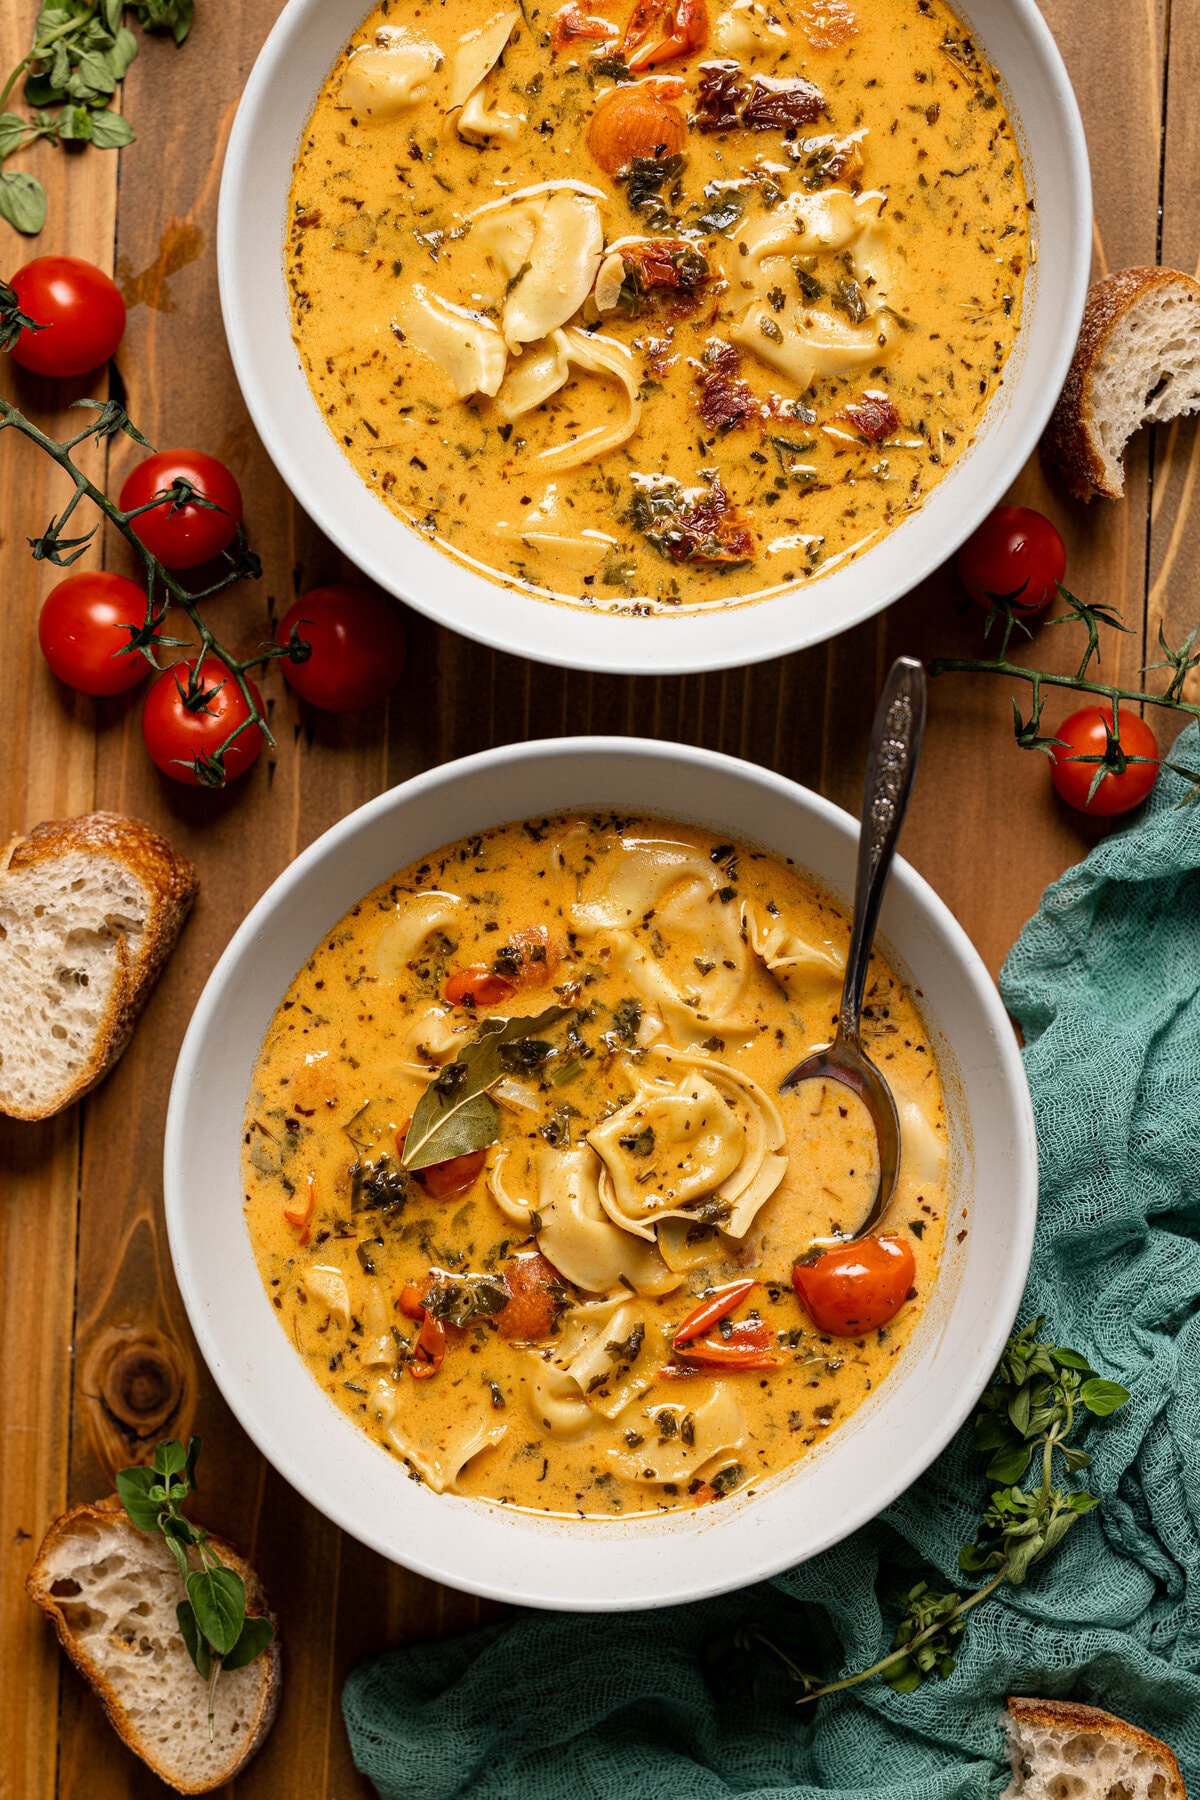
37 1586
1072 1715
172 883
1068 442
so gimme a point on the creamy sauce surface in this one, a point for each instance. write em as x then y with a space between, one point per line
643 1157
644 331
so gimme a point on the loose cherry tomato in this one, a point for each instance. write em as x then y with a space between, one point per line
81 312
82 632
1125 783
358 648
535 1285
478 987
177 732
528 958
445 1180
855 1288
429 1348
183 537
1015 555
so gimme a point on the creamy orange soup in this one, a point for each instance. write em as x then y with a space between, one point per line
659 310
586 1022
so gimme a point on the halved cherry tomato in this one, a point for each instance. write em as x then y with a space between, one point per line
1016 555
745 1345
528 959
429 1348
532 1281
478 987
856 1288
300 1212
1128 774
445 1180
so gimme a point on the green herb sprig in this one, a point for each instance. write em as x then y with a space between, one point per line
214 1624
80 53
163 588
1035 1401
1094 619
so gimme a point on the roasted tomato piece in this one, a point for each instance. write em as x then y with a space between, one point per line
856 1288
537 1289
478 987
445 1180
528 959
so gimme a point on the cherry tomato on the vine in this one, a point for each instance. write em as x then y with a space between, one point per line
357 644
176 733
1015 555
856 1288
82 633
80 310
1125 783
183 537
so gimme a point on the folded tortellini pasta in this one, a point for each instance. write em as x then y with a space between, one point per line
439 1446
385 79
575 1233
465 344
477 55
680 1437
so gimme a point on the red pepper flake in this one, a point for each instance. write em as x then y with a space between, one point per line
874 416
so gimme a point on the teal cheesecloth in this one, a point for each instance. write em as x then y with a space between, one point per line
1105 982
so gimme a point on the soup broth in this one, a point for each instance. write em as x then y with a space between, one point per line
657 311
578 1295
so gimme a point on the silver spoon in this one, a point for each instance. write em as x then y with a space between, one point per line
891 766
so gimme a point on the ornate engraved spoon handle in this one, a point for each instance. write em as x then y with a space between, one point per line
891 766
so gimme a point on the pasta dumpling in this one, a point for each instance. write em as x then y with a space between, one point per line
437 1447
386 79
407 932
680 1437
478 53
784 952
465 344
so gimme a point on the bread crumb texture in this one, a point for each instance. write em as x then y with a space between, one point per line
1137 363
1062 1751
112 1591
90 909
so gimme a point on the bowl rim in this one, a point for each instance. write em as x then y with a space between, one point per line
692 643
239 1388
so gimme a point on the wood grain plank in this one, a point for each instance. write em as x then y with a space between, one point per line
46 771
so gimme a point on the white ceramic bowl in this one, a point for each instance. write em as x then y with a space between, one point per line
279 96
617 1564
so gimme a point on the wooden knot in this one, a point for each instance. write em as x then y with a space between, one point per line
142 1386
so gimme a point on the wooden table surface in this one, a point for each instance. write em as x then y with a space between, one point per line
101 1359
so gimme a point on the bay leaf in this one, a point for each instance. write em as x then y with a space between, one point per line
456 1115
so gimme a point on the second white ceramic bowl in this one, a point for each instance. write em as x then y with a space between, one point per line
615 1564
275 107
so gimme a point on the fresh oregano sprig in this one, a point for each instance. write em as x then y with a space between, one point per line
213 1622
163 588
1114 759
1035 1401
81 51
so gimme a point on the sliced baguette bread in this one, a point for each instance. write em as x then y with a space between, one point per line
111 1591
1063 1751
1137 362
90 909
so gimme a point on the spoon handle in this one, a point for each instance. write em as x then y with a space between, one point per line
891 766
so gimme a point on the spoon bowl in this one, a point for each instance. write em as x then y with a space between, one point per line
891 766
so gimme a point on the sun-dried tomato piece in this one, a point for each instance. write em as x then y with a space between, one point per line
873 416
725 401
711 531
666 263
774 105
720 97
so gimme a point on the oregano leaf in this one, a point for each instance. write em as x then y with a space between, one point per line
256 1634
194 1644
22 201
1103 1397
219 1599
133 1486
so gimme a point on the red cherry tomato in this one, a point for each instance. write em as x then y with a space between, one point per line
478 987
536 1288
184 536
445 1180
176 734
357 644
81 312
81 631
856 1288
1125 784
1015 555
